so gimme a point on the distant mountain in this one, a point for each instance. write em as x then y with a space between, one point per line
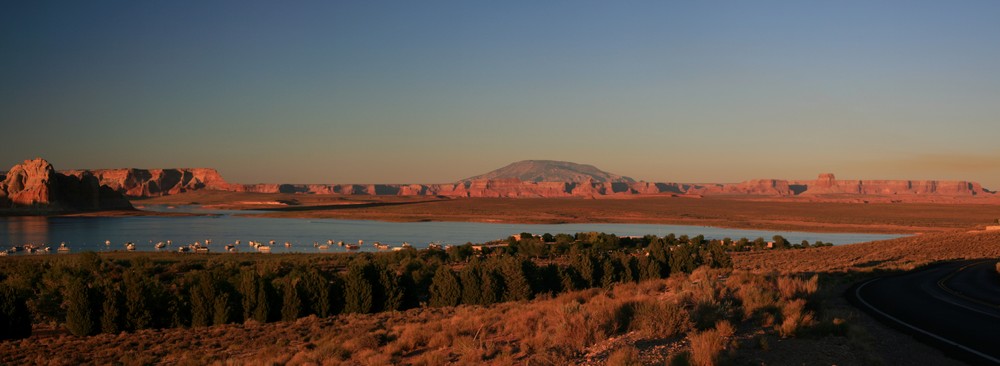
552 171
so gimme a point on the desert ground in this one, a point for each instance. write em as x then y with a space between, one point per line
831 215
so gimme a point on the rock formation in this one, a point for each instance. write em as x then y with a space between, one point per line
34 187
156 182
551 171
578 181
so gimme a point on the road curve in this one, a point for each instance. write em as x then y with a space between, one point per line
953 305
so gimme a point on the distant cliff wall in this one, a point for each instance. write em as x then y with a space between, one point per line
139 183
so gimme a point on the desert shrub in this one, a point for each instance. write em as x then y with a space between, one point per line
660 319
755 293
707 346
15 320
794 317
792 287
625 356
682 358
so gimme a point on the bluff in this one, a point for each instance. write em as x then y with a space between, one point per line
34 187
139 183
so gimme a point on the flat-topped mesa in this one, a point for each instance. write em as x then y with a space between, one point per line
34 187
826 184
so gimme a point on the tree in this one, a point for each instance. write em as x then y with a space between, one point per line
202 300
291 307
586 266
460 253
358 288
649 269
569 279
493 286
137 301
262 312
472 282
445 288
222 312
392 293
780 242
249 285
15 320
516 284
111 314
611 271
79 319
683 259
316 293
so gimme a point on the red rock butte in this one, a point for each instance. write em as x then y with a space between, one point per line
34 187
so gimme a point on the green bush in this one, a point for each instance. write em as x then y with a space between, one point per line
15 320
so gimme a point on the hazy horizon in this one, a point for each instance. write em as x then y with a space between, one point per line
407 92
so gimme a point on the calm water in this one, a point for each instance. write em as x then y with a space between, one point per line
90 233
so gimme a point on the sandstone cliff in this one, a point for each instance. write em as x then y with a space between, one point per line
139 183
34 187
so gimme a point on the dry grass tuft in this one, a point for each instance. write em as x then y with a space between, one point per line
625 356
794 318
707 346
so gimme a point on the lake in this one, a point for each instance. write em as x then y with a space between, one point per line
90 233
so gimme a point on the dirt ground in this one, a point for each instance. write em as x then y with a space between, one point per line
734 212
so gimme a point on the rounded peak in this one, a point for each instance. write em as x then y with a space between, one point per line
551 171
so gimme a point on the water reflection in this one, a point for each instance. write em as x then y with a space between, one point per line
23 230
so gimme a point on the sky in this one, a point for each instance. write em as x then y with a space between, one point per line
436 91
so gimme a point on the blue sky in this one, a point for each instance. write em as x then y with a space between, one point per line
435 91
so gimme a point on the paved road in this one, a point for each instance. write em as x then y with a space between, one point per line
954 305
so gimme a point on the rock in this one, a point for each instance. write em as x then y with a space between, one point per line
34 187
529 178
139 183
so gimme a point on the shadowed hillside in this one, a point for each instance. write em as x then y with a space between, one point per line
552 171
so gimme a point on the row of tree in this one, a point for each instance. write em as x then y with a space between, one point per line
92 294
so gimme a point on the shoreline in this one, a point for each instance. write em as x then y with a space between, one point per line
820 228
